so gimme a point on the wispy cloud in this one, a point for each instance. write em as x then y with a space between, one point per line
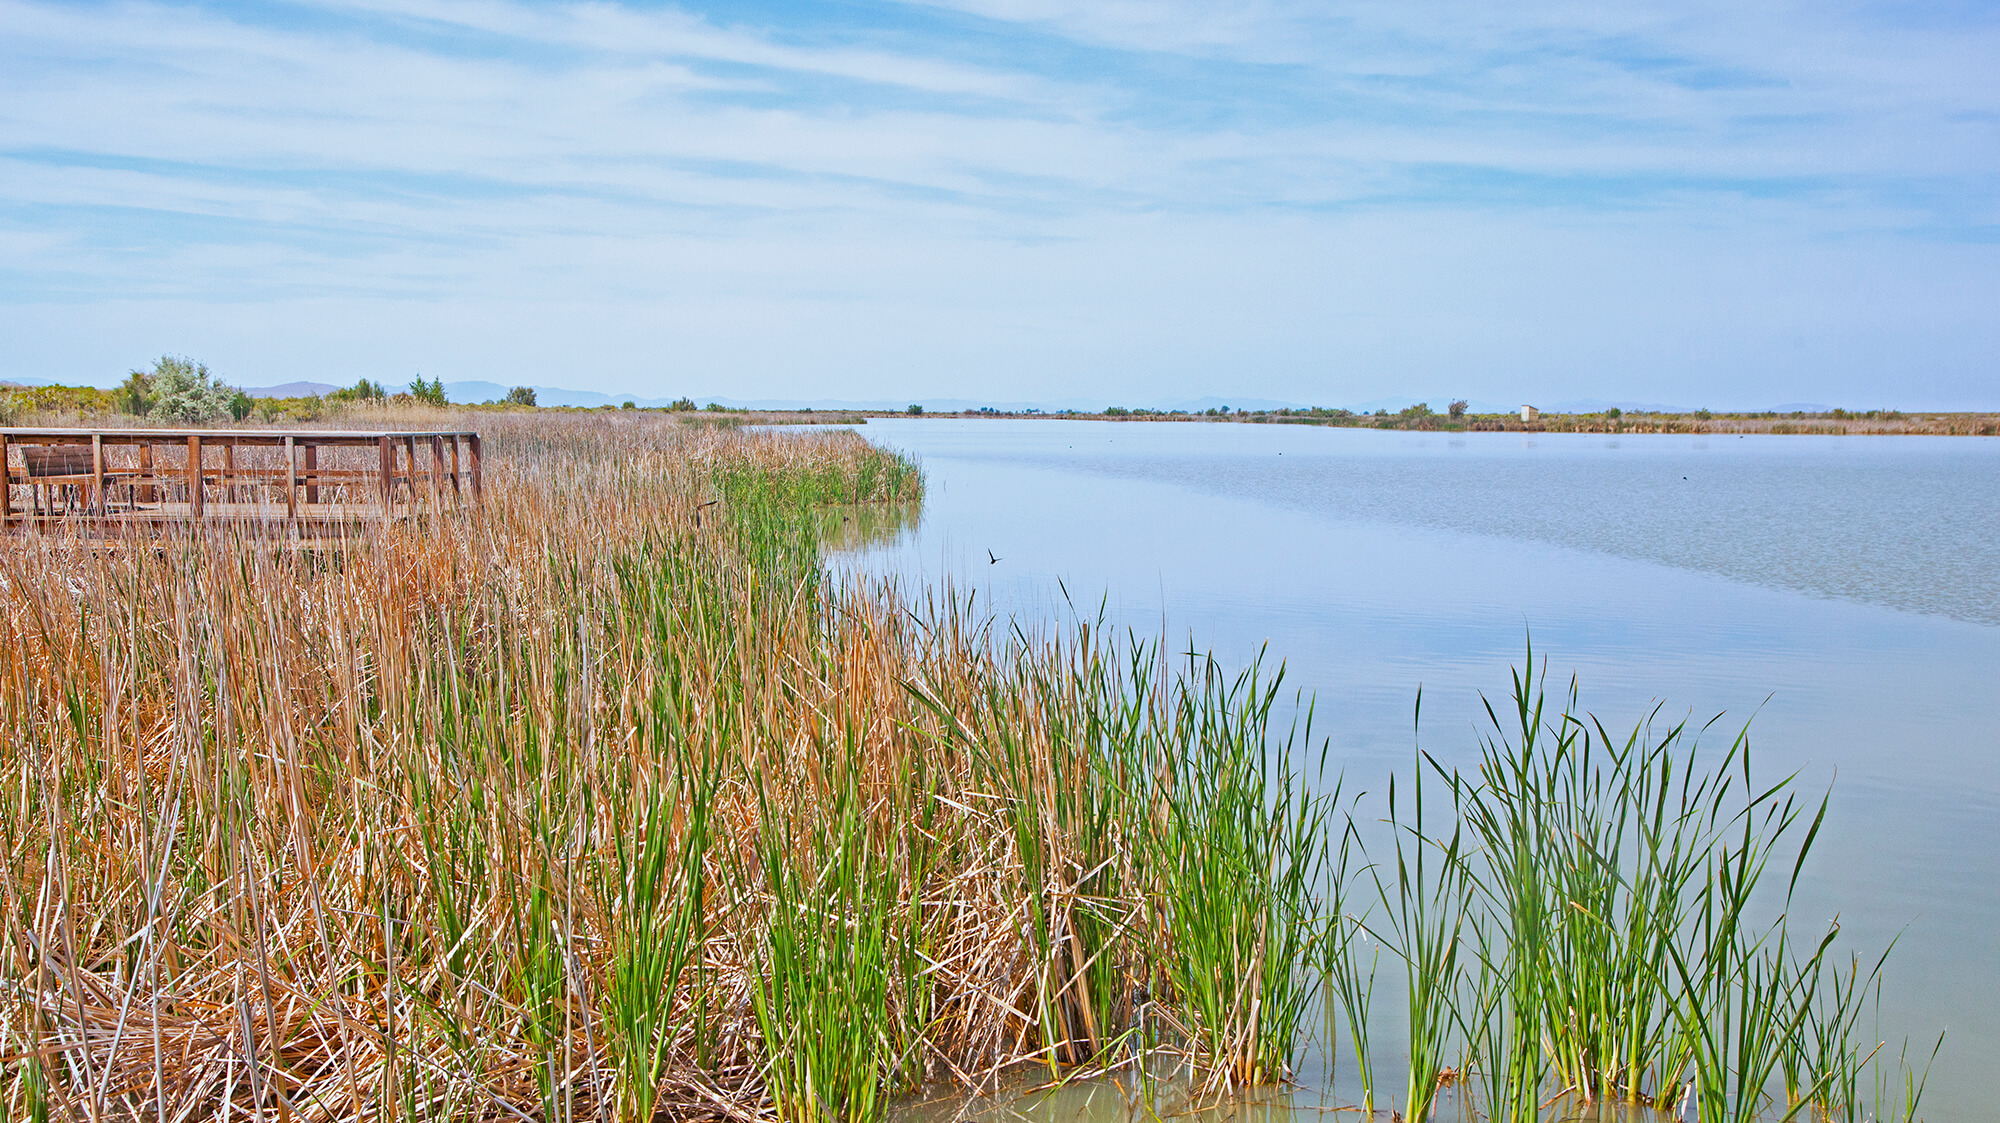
910 165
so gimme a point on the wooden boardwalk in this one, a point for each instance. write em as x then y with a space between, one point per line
117 481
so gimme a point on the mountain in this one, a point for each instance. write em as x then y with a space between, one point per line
291 390
477 391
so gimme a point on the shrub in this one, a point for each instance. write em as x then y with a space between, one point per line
429 393
521 396
364 390
1457 409
682 405
135 394
914 409
186 391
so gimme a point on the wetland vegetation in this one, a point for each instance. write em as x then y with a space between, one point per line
609 803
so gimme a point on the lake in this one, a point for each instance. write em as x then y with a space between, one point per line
1842 591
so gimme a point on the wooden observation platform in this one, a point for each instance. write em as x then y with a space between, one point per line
106 481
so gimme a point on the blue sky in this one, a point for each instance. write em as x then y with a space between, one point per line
1723 204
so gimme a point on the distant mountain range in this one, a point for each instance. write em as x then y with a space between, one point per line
291 390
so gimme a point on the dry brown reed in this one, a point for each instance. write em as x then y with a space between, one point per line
491 817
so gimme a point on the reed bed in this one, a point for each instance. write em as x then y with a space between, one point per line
604 802
1602 920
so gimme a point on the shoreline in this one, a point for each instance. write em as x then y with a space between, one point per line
1891 424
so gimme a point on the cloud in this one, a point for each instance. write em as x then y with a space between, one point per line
1062 184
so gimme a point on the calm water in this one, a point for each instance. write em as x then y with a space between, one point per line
1844 591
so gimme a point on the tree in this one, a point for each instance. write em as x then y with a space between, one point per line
682 405
1457 409
628 404
521 396
361 391
430 393
240 405
135 394
185 391
914 409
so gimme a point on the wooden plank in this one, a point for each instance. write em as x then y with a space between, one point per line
387 486
87 461
97 473
194 475
71 462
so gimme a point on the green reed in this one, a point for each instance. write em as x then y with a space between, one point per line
1578 922
660 905
1063 777
1235 855
1424 915
1346 985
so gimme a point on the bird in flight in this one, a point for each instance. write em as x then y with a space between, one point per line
990 559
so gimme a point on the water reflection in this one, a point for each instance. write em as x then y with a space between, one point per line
1169 1095
863 525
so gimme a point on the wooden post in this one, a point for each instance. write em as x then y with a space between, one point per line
410 472
149 493
437 470
6 487
291 479
455 488
97 473
388 480
194 475
228 476
312 474
472 448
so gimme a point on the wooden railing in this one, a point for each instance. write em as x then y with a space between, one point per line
156 477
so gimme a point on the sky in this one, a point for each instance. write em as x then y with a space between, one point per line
1706 204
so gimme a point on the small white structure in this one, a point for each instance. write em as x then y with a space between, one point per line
1530 413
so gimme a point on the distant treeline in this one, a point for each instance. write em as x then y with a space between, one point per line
1456 418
